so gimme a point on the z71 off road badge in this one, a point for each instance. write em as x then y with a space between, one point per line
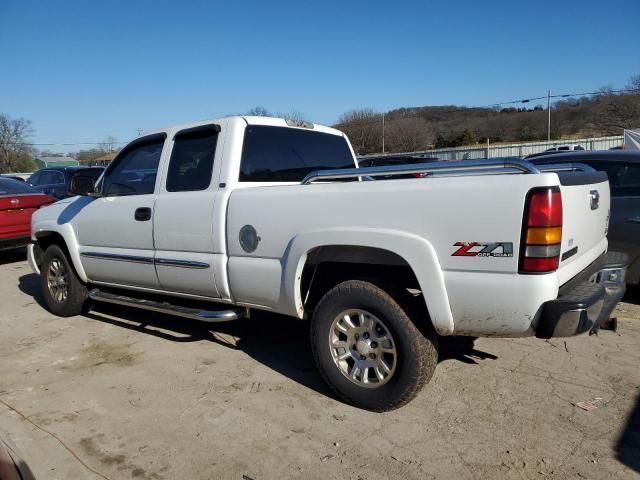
483 249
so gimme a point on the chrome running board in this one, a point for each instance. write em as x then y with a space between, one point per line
164 307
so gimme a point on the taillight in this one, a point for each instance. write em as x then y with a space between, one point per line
541 231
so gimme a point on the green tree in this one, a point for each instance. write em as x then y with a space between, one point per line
467 138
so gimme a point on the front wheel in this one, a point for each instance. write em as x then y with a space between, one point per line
64 293
368 349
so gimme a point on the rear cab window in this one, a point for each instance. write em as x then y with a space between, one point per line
282 154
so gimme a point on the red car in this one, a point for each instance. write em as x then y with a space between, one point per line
18 201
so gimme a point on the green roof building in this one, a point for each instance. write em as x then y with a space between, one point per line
43 162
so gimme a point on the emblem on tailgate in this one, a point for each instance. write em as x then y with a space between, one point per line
595 199
483 249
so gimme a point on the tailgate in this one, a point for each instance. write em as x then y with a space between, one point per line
585 219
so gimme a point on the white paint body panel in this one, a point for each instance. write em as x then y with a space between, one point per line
420 220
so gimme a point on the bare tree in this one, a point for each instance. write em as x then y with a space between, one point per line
364 128
15 153
108 144
293 115
259 112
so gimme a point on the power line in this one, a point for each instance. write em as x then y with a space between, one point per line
563 95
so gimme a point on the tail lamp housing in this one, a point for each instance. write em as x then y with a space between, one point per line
541 231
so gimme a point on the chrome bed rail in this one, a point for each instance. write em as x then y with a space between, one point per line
452 168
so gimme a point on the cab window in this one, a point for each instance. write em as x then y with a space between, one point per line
191 161
135 169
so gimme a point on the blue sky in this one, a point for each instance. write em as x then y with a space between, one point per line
81 70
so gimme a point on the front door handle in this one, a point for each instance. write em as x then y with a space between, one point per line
143 214
634 219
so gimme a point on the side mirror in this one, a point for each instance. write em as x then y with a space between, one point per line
82 185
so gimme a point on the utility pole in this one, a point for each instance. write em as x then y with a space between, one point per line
382 132
140 131
548 115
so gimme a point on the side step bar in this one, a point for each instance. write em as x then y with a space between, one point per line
164 307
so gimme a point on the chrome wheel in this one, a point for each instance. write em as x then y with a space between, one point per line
57 281
362 348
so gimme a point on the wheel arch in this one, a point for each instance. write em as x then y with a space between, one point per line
356 248
64 238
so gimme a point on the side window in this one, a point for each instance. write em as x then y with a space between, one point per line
35 179
191 161
57 177
134 171
615 172
630 186
48 178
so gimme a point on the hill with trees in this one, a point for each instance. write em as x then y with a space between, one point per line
420 128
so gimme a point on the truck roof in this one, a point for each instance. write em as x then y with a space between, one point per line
252 120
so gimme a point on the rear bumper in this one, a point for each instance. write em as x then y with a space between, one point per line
587 301
16 242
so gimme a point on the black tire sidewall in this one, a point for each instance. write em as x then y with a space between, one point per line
406 380
76 301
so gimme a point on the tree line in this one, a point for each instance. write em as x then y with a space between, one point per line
422 128
406 129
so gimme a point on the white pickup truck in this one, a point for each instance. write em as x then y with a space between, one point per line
213 219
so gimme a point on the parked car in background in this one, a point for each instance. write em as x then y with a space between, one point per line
561 148
18 201
55 181
623 170
396 160
13 177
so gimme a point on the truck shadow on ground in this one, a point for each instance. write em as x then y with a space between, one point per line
279 342
628 445
632 295
12 256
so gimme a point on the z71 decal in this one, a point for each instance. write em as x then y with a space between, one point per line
483 249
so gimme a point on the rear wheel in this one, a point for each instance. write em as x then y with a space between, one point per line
368 349
64 293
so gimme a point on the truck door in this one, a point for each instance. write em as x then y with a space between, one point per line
183 222
115 230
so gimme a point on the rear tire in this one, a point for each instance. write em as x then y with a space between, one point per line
64 293
368 349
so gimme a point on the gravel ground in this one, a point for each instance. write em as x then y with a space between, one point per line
127 394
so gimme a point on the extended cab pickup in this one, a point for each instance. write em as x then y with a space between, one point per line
213 219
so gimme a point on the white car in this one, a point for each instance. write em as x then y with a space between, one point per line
214 219
565 148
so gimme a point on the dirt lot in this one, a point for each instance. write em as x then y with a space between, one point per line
137 395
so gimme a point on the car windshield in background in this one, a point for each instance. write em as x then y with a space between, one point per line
280 154
9 186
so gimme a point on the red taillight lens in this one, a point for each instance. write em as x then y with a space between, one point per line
540 264
542 231
545 209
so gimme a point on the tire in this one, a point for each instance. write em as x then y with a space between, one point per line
386 380
56 273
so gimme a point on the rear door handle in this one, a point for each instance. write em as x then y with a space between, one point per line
143 214
634 219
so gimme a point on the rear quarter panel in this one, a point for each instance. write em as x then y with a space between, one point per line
442 211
